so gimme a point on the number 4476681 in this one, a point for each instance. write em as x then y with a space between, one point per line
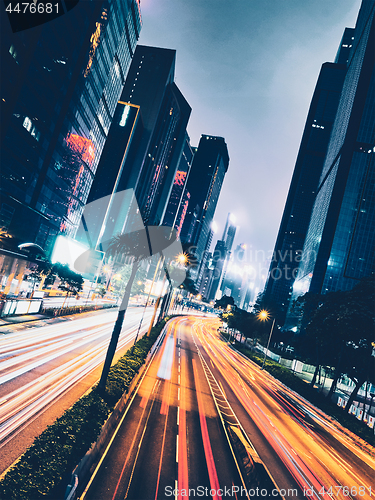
33 8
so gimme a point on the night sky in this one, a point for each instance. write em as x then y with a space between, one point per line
248 69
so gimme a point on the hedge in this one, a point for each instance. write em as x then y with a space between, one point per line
318 399
65 311
44 469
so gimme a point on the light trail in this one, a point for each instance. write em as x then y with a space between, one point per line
183 471
214 480
283 422
63 356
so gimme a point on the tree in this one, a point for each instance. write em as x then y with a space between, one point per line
101 290
41 273
191 264
121 278
134 247
70 281
224 302
274 309
342 332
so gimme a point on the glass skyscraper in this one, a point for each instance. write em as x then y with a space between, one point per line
61 85
207 173
339 246
179 199
302 191
144 146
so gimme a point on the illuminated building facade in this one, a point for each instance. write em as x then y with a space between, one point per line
207 173
235 281
305 181
144 147
178 203
339 245
165 115
221 256
61 84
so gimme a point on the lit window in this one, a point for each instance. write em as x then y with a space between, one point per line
27 123
13 52
124 116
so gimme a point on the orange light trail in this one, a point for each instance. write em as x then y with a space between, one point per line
214 481
183 478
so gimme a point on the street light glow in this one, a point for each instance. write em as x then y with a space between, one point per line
182 258
263 315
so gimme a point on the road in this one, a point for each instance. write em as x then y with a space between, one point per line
50 366
319 454
171 436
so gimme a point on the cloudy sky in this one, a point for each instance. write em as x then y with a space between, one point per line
248 69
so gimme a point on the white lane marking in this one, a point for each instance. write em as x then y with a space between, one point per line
177 448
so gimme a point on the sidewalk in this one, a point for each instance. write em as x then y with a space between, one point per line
22 319
325 385
13 324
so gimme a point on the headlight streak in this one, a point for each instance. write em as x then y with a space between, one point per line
22 405
296 466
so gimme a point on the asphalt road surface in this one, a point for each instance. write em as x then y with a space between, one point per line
46 368
171 440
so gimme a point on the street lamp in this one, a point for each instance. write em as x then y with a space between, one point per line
264 316
182 258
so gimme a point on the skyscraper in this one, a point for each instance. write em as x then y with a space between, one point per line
218 261
179 198
338 249
145 143
304 184
221 256
208 170
236 278
61 83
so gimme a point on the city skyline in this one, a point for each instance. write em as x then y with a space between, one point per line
254 90
139 357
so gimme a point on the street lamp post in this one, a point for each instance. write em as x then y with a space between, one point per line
264 315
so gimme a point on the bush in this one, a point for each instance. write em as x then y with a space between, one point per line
45 467
65 311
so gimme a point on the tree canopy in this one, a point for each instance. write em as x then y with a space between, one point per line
340 332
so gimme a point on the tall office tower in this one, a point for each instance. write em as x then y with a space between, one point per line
204 260
229 232
145 144
165 114
221 256
236 277
60 85
207 173
304 184
179 198
206 277
338 249
217 263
